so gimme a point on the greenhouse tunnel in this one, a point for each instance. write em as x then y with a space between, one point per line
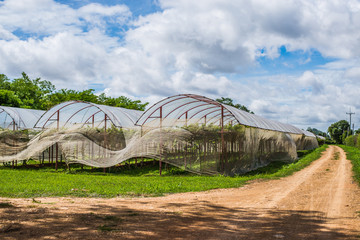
18 118
17 126
189 131
81 113
223 138
98 124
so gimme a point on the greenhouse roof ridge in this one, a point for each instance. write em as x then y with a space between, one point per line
76 111
182 108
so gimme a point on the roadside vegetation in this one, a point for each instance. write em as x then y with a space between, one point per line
353 154
131 182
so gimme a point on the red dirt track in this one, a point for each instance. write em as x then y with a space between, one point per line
320 202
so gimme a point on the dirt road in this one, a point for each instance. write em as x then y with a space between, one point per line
319 202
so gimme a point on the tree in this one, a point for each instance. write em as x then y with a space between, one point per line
339 130
123 102
317 132
89 96
229 101
67 94
41 94
33 93
4 82
8 98
357 131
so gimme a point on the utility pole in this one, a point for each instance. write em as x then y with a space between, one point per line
350 113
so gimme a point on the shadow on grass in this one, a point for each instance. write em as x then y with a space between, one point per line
200 220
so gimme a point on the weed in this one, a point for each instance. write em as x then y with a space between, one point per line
133 214
107 227
35 201
111 218
6 205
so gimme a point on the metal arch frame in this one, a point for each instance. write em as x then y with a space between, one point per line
123 112
186 110
158 108
212 106
89 104
158 105
202 111
18 125
69 103
81 109
225 117
92 116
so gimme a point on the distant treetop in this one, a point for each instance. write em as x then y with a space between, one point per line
41 94
230 102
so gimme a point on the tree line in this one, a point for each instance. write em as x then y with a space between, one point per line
339 132
40 94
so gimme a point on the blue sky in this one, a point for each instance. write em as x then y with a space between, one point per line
291 61
137 7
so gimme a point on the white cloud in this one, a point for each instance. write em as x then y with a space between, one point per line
309 81
46 17
95 13
199 46
37 16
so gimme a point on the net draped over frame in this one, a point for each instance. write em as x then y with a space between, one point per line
192 132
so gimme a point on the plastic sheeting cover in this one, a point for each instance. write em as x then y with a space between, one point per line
22 117
200 109
73 112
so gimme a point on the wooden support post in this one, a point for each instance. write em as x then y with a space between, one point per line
43 158
160 170
105 139
222 138
49 154
56 156
160 148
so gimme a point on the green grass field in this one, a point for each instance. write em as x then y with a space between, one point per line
353 154
44 182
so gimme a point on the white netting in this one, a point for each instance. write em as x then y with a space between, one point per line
196 148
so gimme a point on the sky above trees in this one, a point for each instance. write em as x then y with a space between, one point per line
288 60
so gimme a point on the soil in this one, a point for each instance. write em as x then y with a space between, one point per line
320 202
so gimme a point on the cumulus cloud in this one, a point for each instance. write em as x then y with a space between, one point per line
204 47
310 82
46 17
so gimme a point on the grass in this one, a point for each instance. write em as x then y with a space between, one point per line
353 154
281 169
43 182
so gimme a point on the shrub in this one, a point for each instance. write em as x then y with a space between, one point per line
351 140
